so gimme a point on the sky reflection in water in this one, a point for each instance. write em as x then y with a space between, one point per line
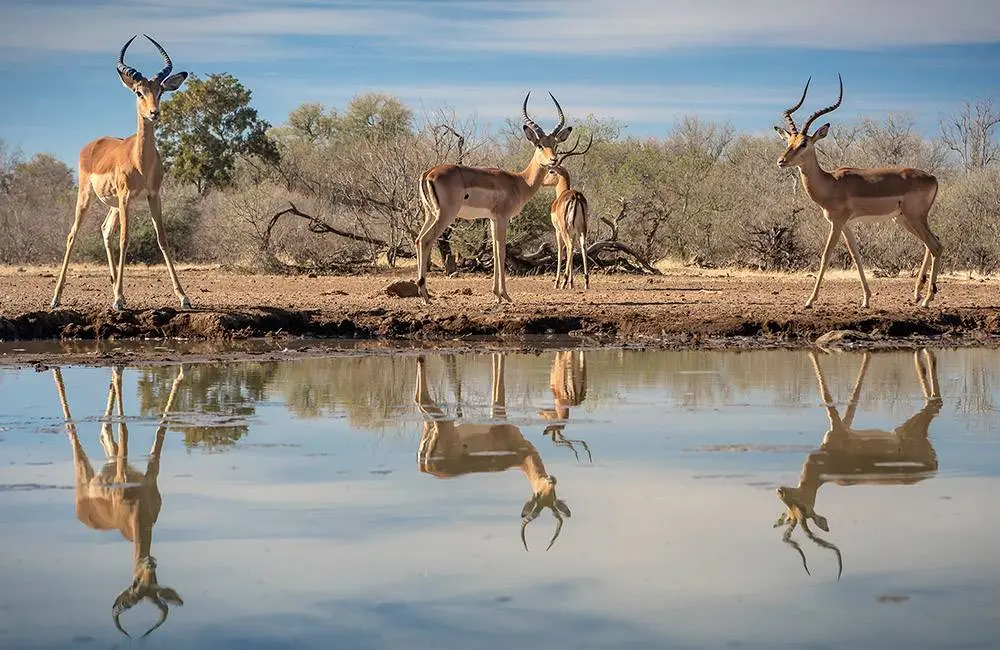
377 501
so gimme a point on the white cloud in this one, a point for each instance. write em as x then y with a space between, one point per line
234 30
634 105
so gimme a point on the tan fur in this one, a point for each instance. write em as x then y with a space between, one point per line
848 194
121 171
448 449
568 382
568 212
850 456
121 497
449 192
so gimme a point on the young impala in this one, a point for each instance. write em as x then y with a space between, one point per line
450 192
121 171
850 456
569 218
568 382
850 194
448 449
122 498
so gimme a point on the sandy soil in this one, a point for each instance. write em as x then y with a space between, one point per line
683 307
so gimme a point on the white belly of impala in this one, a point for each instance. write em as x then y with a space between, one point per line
472 212
104 188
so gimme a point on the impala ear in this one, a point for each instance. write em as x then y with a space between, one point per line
530 134
563 134
173 82
821 522
127 80
783 133
820 132
170 595
561 506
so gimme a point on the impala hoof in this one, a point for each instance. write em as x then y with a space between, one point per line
54 304
118 305
185 303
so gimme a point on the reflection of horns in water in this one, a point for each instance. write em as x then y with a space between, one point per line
534 507
559 440
825 544
128 501
135 593
850 456
819 541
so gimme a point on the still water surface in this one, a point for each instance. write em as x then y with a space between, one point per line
379 502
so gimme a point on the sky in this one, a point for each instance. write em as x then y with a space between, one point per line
643 62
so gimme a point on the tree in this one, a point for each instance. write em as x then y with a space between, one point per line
971 133
207 127
36 203
378 117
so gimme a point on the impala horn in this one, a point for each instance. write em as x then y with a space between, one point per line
528 121
828 109
127 70
788 111
167 63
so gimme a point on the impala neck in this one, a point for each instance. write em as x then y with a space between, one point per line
533 175
144 150
534 469
809 479
817 182
563 183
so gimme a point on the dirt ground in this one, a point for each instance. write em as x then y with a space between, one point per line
686 307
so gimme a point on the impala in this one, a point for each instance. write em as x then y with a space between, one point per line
450 192
568 381
850 456
851 194
122 170
122 498
448 450
569 218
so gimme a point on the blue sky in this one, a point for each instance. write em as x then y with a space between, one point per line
643 62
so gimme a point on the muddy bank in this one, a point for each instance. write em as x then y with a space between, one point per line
693 308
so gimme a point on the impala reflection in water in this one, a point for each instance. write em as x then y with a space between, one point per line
850 456
448 449
371 500
122 498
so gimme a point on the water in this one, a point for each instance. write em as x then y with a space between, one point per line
316 503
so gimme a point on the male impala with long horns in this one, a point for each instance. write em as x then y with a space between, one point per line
450 192
448 449
851 456
122 170
850 194
122 498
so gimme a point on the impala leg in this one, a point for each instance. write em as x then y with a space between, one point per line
852 248
922 275
583 253
499 229
569 261
81 464
498 398
434 225
911 228
119 284
156 212
559 253
836 227
82 202
108 229
934 249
